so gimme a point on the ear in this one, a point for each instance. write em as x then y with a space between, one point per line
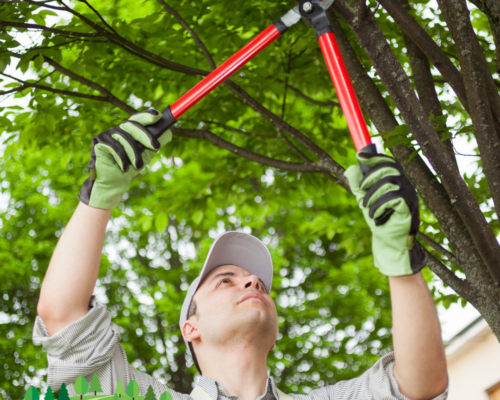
190 330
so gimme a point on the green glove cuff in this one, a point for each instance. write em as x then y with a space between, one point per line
384 187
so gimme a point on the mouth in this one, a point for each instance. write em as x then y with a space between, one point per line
250 296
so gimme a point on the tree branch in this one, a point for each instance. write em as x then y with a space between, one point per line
112 99
424 82
329 103
440 249
476 82
491 8
47 29
249 155
195 37
243 132
99 16
58 91
36 3
399 87
460 286
431 190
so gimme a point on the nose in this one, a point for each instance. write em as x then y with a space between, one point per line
252 281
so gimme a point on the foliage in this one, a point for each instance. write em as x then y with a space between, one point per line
63 393
334 307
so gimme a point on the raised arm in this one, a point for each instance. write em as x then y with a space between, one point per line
420 368
73 269
117 156
390 206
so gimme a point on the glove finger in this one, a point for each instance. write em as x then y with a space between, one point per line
105 145
371 159
392 199
147 117
378 172
131 147
141 134
354 177
381 187
117 153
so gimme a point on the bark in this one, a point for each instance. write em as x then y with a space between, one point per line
473 63
492 10
399 87
424 83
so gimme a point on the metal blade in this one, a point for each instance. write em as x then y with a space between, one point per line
325 3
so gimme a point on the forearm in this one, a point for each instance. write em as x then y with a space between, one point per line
73 269
420 368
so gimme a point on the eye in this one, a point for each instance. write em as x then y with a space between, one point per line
225 280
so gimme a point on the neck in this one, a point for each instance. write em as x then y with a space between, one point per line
242 371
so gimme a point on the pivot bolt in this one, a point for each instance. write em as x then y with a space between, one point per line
307 7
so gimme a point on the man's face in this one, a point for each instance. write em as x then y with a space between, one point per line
234 307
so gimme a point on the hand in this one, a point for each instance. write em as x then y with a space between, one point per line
390 205
117 156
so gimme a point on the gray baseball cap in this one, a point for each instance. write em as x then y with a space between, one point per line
231 248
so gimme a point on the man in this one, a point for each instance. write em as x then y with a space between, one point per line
228 319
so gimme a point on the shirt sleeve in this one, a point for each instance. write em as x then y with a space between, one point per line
378 383
91 344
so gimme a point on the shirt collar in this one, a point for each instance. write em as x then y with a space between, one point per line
216 391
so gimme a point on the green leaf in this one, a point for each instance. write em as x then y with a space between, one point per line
441 120
446 136
13 85
413 155
39 62
147 224
66 158
395 141
402 130
432 117
161 222
198 217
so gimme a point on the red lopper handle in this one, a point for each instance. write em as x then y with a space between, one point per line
229 67
345 92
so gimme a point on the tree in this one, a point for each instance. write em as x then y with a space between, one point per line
150 394
133 389
32 394
49 395
63 393
81 386
416 82
120 390
165 396
95 384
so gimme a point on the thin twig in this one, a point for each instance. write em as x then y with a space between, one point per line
230 128
440 249
193 34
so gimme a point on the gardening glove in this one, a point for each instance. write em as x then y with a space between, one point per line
390 205
117 156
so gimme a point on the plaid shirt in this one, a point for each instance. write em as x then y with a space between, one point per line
92 344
